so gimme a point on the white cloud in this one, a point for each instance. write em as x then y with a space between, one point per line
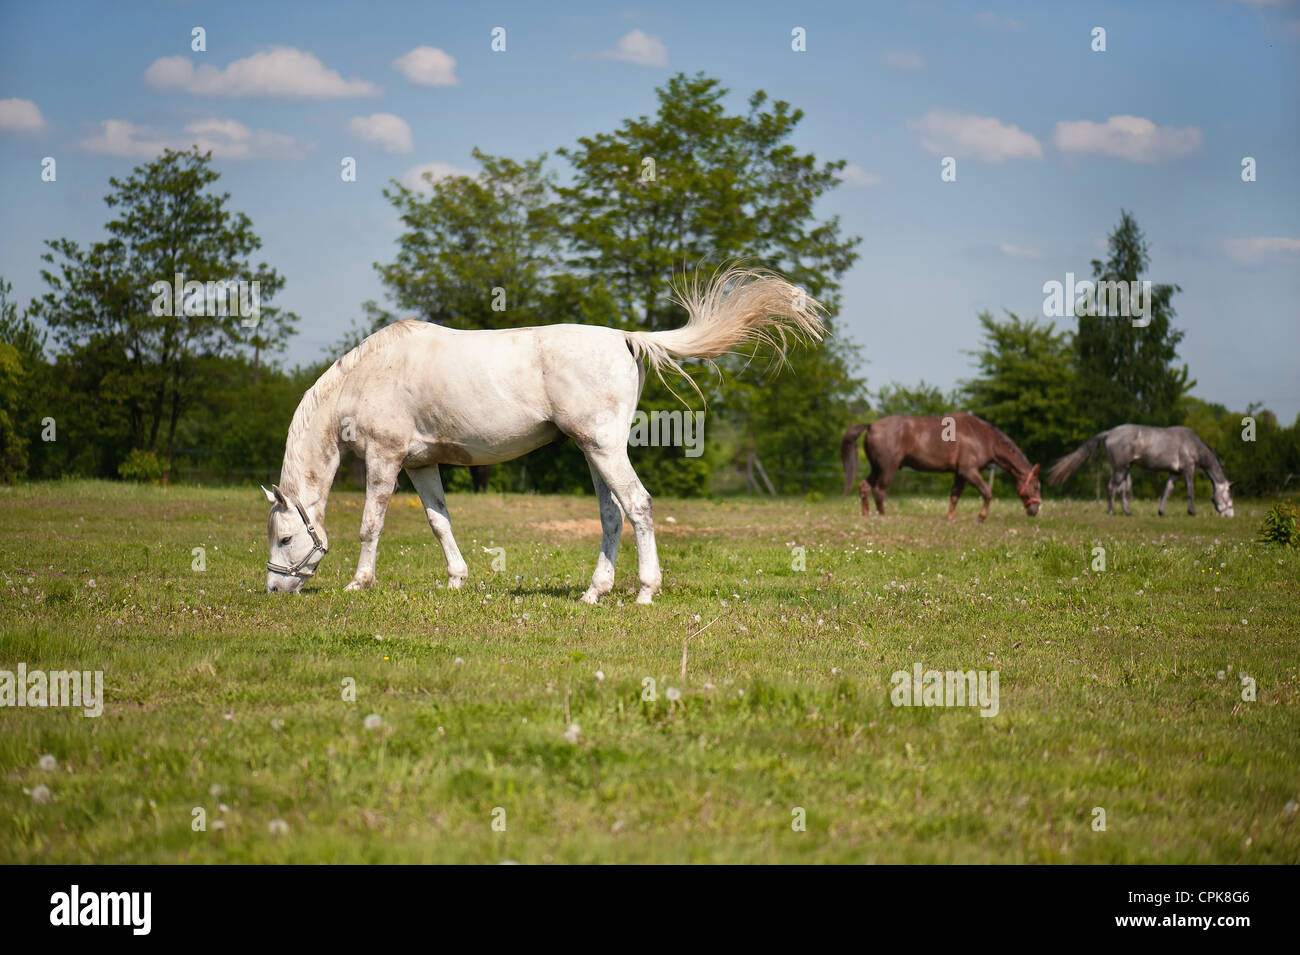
391 132
1133 138
903 61
226 138
639 48
1255 249
1016 252
414 178
974 137
990 19
427 66
21 116
281 71
855 175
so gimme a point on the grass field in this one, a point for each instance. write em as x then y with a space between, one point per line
1119 689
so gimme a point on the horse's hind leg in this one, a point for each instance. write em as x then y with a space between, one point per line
428 484
610 461
611 529
864 496
879 479
958 485
1164 499
381 479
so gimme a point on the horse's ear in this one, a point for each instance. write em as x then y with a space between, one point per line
270 497
279 495
1033 472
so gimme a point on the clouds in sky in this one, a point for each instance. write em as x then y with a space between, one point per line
414 178
1132 138
966 136
1262 248
391 132
855 175
279 72
639 48
20 116
1017 252
226 138
428 66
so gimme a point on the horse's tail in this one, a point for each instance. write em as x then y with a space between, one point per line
849 454
737 307
1064 469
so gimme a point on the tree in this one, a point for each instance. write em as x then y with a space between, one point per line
924 400
22 367
1126 373
694 184
477 251
139 349
1025 386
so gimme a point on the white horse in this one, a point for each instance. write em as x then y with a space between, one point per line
415 395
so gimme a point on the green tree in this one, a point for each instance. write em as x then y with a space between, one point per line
470 236
923 400
104 310
1025 386
696 184
1127 373
22 375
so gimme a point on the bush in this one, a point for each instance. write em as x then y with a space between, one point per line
142 466
1281 525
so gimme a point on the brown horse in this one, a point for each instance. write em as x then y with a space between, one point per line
961 443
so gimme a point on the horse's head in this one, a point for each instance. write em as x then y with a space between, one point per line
1222 498
297 546
1031 492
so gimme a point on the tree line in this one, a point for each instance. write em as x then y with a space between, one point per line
97 380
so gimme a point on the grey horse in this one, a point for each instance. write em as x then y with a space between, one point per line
1177 450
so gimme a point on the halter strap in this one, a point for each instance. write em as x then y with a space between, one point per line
316 545
1025 496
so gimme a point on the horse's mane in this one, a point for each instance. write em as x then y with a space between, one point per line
327 385
1005 441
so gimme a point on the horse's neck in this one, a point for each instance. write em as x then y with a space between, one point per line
1009 459
311 454
1210 463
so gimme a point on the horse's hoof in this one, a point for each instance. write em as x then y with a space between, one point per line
646 596
360 584
455 583
590 596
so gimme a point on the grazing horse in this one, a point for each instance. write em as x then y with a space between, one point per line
961 443
415 395
1176 450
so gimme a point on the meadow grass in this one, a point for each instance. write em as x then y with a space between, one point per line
1120 690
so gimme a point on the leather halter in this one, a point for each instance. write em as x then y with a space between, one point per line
316 545
1023 491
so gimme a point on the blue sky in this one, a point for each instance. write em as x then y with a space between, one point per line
1051 140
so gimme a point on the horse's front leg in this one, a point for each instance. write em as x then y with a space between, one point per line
864 495
381 476
972 475
1169 487
1191 490
958 485
428 484
611 529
